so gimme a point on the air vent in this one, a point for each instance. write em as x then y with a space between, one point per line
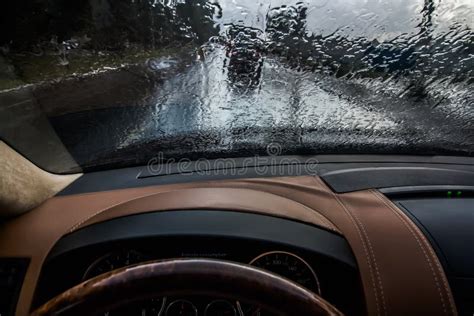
12 273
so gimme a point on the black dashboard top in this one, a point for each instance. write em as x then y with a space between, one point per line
342 173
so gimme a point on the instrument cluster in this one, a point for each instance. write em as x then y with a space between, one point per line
286 264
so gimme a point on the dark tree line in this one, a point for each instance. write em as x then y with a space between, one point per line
116 24
108 24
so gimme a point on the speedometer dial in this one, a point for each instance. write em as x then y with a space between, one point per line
112 261
289 266
120 259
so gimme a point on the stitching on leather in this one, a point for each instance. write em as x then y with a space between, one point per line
430 252
328 224
364 246
78 224
414 232
377 271
322 219
312 209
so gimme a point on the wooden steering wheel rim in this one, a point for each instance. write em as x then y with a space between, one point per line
184 277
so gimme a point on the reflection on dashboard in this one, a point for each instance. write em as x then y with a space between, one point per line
282 263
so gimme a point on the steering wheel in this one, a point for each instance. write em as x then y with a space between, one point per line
182 277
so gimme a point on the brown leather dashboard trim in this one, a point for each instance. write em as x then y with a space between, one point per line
238 199
400 273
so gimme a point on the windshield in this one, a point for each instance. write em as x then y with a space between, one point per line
98 84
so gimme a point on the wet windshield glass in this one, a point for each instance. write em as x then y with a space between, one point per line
102 84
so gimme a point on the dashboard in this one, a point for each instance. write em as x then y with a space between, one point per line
283 263
317 259
366 234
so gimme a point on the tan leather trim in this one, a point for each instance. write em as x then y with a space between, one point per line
24 186
439 277
34 234
400 273
237 199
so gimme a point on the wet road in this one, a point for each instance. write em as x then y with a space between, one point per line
194 111
362 77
